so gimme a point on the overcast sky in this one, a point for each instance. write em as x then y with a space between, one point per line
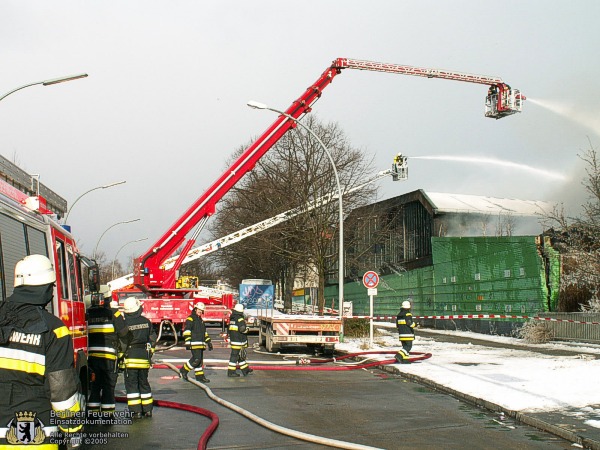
165 101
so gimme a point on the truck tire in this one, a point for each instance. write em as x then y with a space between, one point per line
328 350
262 340
271 347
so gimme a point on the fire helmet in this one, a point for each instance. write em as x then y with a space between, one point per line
406 304
34 270
201 306
131 305
238 307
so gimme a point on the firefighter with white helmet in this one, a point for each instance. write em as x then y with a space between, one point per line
238 339
106 327
197 340
37 371
406 332
139 349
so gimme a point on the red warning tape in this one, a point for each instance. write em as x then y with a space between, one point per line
482 316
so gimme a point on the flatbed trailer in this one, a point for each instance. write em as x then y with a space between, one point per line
277 330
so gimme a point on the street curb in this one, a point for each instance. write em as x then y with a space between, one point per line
518 416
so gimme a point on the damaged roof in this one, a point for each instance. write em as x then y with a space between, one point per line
465 203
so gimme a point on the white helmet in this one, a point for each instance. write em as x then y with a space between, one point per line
406 304
201 306
34 270
131 305
238 307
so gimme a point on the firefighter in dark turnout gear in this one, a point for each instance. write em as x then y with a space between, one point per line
38 384
238 340
106 327
406 332
197 340
139 349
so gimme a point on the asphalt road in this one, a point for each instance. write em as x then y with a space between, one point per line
366 407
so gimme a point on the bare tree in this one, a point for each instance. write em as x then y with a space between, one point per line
578 239
296 171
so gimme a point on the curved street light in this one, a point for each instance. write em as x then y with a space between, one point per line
119 251
258 105
106 186
47 83
105 231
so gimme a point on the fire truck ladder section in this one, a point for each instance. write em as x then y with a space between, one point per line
150 273
399 172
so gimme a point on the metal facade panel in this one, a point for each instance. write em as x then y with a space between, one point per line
489 275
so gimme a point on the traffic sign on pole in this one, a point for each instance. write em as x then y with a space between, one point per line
370 279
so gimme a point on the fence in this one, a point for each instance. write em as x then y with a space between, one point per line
569 326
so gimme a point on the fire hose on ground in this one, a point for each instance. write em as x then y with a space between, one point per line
297 365
214 419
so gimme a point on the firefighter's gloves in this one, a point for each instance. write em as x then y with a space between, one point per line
210 346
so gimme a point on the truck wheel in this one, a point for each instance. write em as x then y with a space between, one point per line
328 350
271 346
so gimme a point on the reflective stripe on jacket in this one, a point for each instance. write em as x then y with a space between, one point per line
195 333
37 374
237 331
405 325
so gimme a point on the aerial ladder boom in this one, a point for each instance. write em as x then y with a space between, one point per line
149 271
399 172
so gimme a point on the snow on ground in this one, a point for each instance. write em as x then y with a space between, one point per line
519 380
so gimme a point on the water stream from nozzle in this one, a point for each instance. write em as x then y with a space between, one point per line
498 162
580 117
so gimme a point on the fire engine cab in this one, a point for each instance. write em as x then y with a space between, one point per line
29 225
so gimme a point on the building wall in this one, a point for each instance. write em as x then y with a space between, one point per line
476 275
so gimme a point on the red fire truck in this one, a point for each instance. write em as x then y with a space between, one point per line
157 280
29 226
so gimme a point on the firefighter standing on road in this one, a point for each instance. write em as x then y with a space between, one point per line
138 355
37 372
238 339
105 328
196 339
406 332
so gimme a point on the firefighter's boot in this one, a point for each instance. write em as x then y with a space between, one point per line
232 373
202 379
247 371
183 373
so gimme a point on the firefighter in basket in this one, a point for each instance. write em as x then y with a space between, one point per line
106 327
197 340
137 359
238 337
39 385
406 332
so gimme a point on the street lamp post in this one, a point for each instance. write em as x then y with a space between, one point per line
119 251
47 83
106 186
257 105
105 231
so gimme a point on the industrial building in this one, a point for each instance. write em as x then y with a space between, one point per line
451 254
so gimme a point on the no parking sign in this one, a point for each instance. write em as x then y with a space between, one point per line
370 279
